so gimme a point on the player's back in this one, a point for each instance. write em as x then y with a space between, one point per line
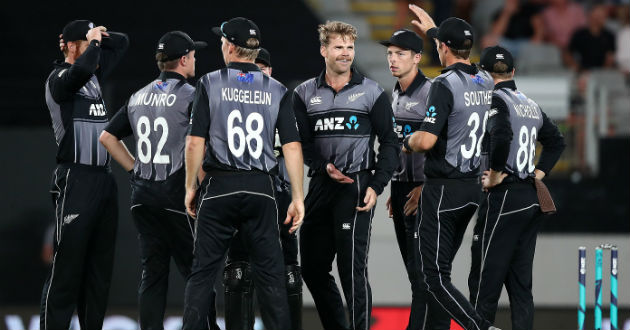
244 105
457 153
526 120
159 114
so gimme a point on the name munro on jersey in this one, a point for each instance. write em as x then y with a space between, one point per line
154 100
477 98
245 96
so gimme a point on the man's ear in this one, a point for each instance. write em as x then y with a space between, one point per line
322 50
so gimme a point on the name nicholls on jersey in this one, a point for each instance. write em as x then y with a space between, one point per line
526 110
245 96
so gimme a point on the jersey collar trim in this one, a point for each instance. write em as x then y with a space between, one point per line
355 79
171 75
243 66
416 83
506 84
470 69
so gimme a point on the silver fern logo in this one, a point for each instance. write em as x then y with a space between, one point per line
410 105
355 96
69 218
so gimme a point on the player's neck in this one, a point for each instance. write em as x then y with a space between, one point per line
500 80
407 79
453 60
338 80
180 71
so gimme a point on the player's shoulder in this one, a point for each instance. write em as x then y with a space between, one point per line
308 86
211 76
187 88
372 86
309 83
59 69
444 78
276 83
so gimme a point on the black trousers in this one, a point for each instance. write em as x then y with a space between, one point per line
503 250
239 252
162 234
243 202
333 227
425 312
86 211
446 207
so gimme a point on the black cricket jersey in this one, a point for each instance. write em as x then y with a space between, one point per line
75 101
458 105
237 110
409 110
340 128
515 123
157 116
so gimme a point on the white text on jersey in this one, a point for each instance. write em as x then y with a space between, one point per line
245 96
154 100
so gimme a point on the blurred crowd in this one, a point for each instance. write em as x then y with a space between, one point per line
585 35
555 37
588 34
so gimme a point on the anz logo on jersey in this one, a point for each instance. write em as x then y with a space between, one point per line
337 123
403 130
430 118
97 109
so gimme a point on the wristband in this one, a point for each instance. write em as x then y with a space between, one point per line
406 142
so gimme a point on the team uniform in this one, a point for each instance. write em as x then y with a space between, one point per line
237 110
409 110
83 190
157 116
458 103
239 287
504 239
340 128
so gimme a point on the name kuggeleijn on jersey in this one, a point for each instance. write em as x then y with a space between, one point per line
245 96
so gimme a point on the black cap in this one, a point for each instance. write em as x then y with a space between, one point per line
453 32
176 44
238 30
405 39
77 30
263 57
492 55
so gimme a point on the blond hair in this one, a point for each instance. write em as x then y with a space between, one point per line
251 52
345 30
